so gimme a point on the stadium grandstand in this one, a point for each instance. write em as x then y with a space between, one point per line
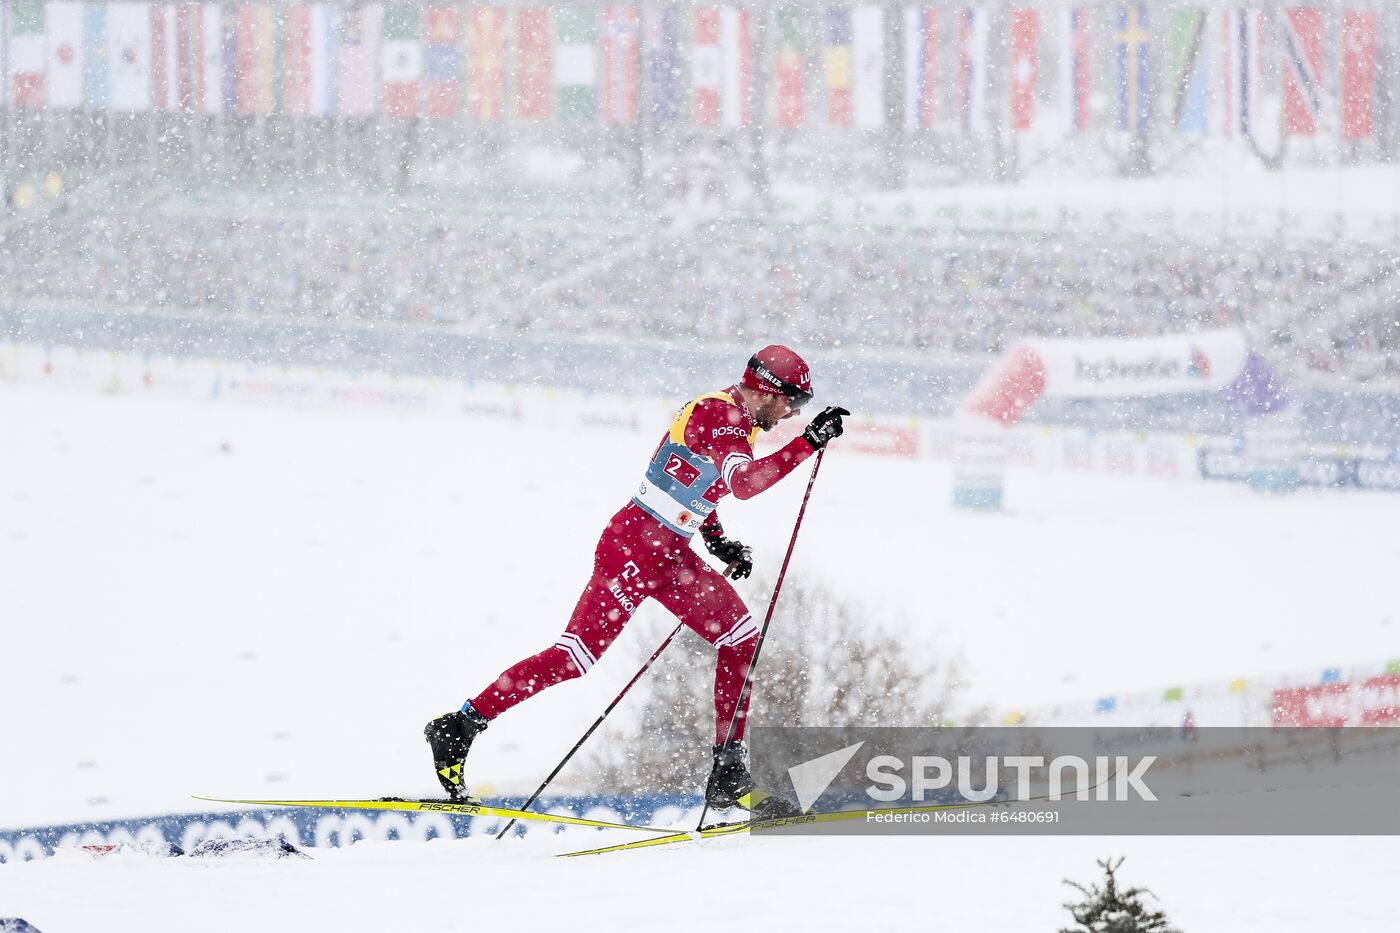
446 177
569 260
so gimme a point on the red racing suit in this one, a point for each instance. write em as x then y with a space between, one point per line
644 553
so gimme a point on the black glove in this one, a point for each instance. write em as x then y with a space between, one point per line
732 552
824 427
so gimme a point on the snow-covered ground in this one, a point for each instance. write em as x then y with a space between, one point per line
206 598
1001 885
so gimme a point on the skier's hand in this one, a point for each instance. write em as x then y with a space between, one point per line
733 553
825 427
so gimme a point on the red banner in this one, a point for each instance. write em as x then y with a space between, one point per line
880 440
162 95
1302 68
441 66
1373 702
532 70
486 42
296 60
621 45
788 68
247 60
705 65
1025 33
1358 72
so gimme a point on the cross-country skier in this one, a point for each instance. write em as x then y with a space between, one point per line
644 553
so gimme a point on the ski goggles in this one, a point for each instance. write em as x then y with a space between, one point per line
795 394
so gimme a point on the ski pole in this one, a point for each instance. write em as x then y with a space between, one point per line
596 723
763 632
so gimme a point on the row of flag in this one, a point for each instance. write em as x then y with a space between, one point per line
613 62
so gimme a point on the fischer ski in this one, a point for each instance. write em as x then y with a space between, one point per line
730 829
467 807
835 816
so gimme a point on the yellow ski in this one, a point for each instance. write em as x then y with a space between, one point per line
469 807
729 829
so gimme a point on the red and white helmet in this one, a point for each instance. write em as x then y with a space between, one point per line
777 370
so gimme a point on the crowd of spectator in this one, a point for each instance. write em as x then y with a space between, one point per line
311 269
906 290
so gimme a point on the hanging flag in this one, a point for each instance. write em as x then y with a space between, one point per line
1134 88
209 59
325 58
736 76
972 69
1358 72
1301 29
164 73
486 56
266 51
621 45
1243 29
838 66
575 69
245 61
705 63
309 45
868 58
1190 83
663 26
442 61
401 60
228 57
256 45
920 66
129 52
532 63
357 59
187 27
1074 68
1025 36
788 68
721 66
65 65
28 53
296 60
95 56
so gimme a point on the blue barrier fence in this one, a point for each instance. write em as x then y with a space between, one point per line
321 828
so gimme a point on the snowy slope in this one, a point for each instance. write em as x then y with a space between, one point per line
218 599
990 885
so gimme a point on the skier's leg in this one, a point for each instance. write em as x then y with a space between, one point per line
625 570
597 620
608 601
707 603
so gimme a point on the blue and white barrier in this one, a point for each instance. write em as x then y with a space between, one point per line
306 827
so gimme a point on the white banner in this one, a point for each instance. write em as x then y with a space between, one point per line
65 28
1114 368
210 57
129 56
734 80
868 74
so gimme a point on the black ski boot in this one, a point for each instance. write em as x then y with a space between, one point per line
450 737
731 785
